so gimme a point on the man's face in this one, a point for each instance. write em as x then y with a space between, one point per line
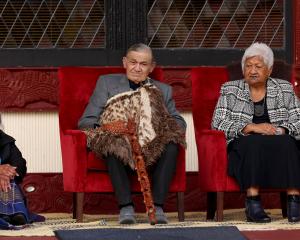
256 72
138 65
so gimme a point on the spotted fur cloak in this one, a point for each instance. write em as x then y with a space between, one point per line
155 126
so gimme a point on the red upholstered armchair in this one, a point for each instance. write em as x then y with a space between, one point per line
82 171
211 144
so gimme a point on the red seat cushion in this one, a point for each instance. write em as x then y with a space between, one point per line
95 163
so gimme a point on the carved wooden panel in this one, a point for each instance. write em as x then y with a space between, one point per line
38 89
44 192
29 89
297 80
179 79
296 21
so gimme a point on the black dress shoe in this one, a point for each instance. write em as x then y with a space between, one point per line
18 219
254 210
293 208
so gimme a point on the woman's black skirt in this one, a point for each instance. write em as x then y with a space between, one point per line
265 161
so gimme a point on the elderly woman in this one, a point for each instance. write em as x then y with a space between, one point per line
13 211
260 117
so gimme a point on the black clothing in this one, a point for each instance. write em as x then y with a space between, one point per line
10 154
134 85
266 161
265 117
162 173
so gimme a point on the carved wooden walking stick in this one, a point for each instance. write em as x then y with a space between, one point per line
129 129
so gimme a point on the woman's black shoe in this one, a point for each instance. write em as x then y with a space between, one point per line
293 208
18 219
254 210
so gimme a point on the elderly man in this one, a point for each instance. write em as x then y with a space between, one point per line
159 127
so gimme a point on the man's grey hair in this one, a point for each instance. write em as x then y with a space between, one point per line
261 50
139 47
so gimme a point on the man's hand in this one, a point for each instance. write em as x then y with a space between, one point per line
8 171
261 128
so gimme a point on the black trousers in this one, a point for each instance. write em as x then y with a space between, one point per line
162 174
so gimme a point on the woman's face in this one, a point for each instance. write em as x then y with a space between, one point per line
256 72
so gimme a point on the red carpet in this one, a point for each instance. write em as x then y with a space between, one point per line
272 235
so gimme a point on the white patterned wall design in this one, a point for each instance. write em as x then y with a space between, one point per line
37 136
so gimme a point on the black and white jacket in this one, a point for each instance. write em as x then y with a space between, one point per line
235 108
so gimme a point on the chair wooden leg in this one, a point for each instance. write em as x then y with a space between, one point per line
283 201
180 206
211 201
79 206
220 206
74 205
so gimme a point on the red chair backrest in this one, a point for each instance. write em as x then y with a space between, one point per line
76 85
206 84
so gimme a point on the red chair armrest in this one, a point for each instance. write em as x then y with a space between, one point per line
212 159
78 135
74 155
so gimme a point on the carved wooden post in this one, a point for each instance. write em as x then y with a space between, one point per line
126 23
